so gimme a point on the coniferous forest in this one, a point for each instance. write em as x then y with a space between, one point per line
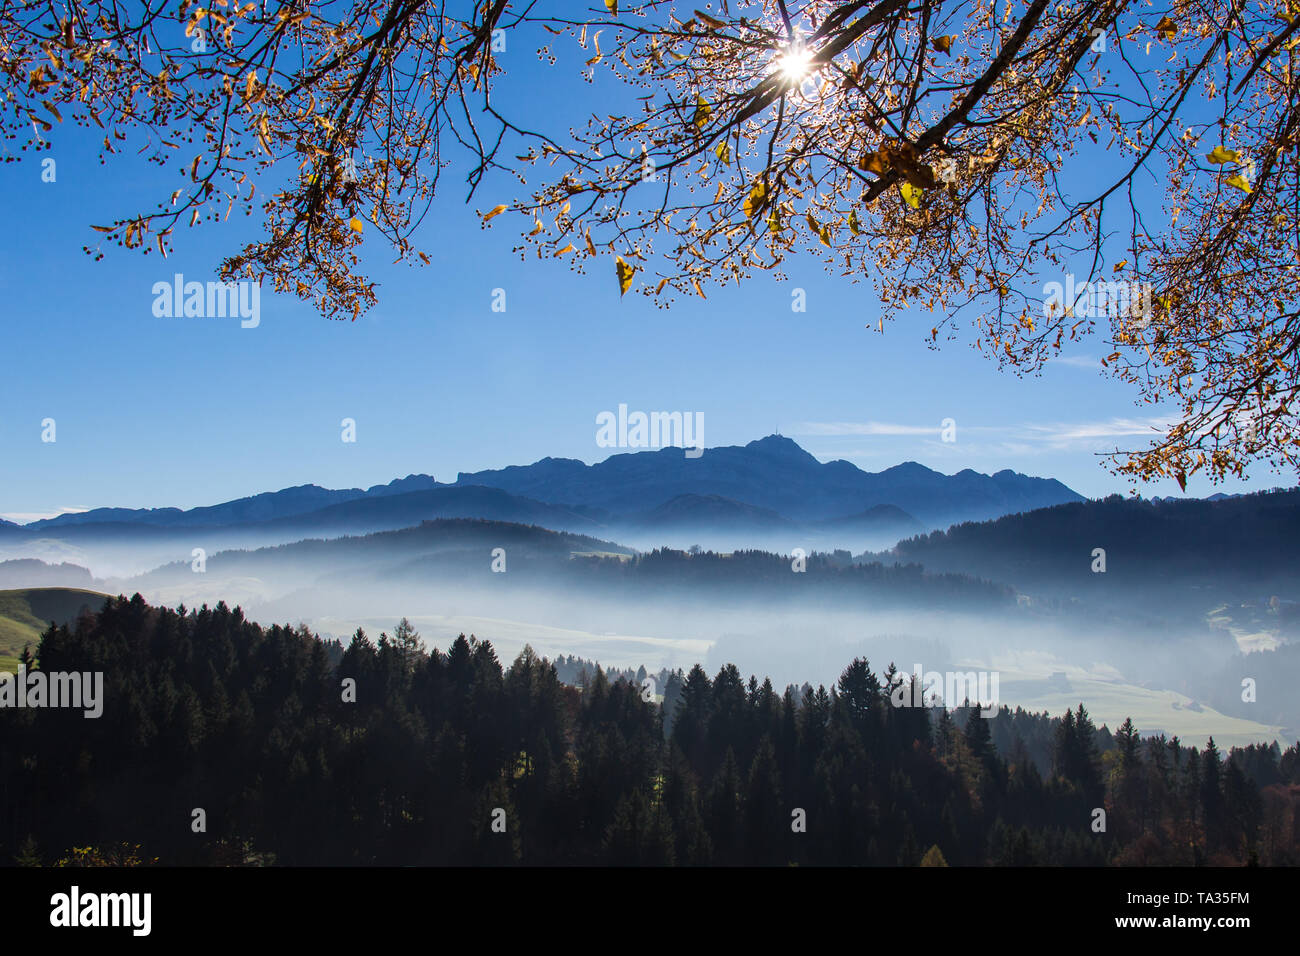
299 751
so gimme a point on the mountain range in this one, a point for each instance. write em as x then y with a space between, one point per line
771 484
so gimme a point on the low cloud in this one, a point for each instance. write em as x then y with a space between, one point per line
23 517
1023 438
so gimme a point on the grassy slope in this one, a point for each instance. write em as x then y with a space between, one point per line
26 613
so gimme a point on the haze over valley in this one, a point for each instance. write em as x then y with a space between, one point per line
758 555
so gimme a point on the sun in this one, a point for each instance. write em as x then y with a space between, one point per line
795 64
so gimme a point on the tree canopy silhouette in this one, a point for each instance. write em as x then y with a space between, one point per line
961 156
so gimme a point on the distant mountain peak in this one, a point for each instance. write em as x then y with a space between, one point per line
779 446
910 468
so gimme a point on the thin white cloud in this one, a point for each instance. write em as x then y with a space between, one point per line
23 517
1094 431
861 428
1021 437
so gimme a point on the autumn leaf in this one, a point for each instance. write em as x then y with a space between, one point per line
494 211
355 223
1220 155
943 44
612 6
757 199
911 194
1240 182
1181 478
723 151
625 273
853 222
872 163
702 112
1167 28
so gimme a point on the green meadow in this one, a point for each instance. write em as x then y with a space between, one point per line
26 613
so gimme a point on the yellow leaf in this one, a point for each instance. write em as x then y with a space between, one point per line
568 248
702 112
591 248
355 223
824 235
943 44
911 194
698 291
853 222
723 151
757 199
1239 181
612 6
537 227
1167 28
494 211
625 273
1119 265
813 225
660 287
1220 155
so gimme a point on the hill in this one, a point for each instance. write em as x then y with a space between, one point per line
26 613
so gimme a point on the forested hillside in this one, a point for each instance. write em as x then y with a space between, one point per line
447 757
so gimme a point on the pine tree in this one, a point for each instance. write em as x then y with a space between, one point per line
933 857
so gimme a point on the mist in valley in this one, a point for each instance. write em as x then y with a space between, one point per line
794 616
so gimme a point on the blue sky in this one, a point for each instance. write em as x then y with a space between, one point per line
189 411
